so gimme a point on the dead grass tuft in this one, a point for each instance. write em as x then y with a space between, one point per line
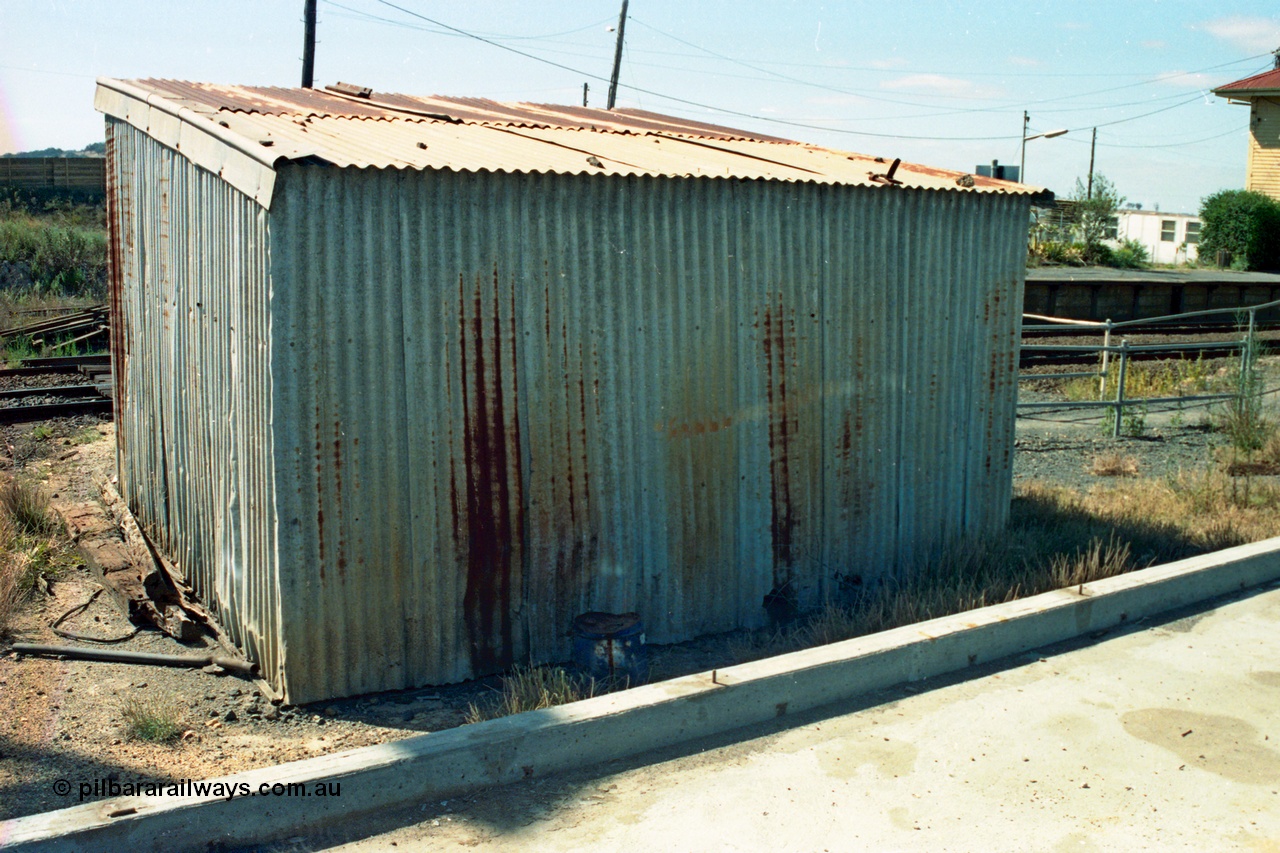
10 595
528 688
1113 465
27 505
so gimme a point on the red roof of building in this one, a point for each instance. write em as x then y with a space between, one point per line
1258 84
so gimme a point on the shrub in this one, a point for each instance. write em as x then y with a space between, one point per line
1131 255
1243 223
62 255
1051 252
1099 254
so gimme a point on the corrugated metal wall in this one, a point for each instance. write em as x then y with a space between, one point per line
503 400
192 357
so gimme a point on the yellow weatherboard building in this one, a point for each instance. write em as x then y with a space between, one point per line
1262 93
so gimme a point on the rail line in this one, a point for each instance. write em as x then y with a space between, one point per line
55 387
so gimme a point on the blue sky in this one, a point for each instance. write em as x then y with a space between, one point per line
940 83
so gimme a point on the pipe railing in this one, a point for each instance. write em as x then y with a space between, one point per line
1246 345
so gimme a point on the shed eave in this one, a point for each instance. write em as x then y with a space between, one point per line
246 164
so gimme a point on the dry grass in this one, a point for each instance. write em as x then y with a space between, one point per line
27 505
533 688
1056 538
10 597
33 547
1113 465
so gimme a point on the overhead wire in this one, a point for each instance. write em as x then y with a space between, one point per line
811 124
1162 78
1178 144
679 100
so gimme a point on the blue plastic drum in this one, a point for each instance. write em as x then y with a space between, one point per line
610 647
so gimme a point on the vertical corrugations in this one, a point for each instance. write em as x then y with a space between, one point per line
191 351
501 400
480 404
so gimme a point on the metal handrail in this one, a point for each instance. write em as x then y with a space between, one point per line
1245 346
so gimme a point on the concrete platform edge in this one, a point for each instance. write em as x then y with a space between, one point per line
442 765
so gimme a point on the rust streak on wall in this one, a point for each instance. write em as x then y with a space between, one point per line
337 497
778 350
494 517
319 489
115 284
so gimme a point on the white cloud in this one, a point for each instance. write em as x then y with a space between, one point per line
1254 34
887 64
939 84
1155 44
1025 62
1073 25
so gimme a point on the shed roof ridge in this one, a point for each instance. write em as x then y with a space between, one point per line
271 125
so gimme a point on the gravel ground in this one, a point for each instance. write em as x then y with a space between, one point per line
1059 447
1065 457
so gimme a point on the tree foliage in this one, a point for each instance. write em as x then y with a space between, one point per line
1095 212
1244 223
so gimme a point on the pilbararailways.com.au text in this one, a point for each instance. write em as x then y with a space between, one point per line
98 788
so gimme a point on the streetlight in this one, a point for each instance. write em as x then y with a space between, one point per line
1048 134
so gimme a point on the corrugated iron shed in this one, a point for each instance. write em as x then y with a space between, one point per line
401 413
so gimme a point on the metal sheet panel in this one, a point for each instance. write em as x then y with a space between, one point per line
265 126
191 350
502 400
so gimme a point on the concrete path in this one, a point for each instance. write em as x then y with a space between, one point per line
1163 738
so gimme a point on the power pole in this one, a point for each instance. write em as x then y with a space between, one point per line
585 88
617 57
1092 147
1022 160
309 44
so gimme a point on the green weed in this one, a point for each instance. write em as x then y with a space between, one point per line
62 258
151 720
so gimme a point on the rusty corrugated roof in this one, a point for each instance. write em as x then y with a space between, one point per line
386 130
1258 84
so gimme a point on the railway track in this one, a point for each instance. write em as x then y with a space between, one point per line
1196 340
1167 330
43 388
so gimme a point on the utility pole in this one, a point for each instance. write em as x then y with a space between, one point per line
309 44
1022 161
1092 147
585 88
617 57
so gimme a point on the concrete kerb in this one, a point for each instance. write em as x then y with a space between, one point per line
446 764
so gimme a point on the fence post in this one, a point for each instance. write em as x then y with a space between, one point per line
1124 363
1106 359
1246 362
